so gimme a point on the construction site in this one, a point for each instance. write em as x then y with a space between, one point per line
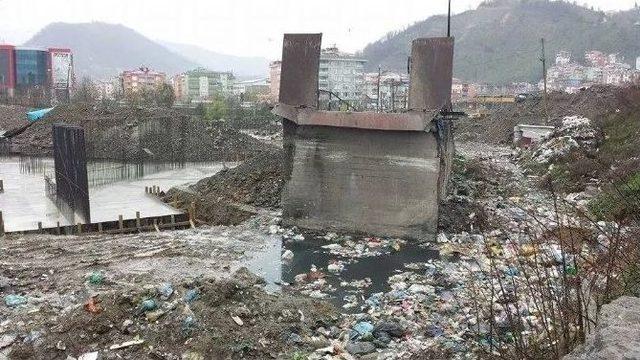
420 233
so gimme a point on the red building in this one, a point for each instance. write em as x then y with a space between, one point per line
7 70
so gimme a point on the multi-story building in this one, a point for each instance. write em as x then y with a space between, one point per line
600 68
62 74
393 89
202 85
141 79
32 68
36 73
341 75
274 80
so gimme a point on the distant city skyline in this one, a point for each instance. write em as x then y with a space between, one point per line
239 27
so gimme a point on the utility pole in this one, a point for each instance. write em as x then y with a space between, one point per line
544 79
449 21
379 74
393 95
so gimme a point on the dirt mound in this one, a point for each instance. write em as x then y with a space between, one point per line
200 319
595 103
12 116
134 134
221 199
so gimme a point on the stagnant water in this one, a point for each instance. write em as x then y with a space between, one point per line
114 189
269 265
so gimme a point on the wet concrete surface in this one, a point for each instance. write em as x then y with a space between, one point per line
114 189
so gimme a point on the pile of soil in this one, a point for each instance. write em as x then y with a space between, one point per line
135 134
227 198
595 103
12 117
200 319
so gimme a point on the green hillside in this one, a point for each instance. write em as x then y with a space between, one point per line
499 42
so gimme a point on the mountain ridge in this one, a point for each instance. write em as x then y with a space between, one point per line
499 42
103 50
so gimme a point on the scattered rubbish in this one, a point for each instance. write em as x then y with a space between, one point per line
89 356
362 329
153 316
287 255
6 340
127 326
126 344
15 300
165 290
294 338
96 278
237 320
188 324
147 305
191 295
92 305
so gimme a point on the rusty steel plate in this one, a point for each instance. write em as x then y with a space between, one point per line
431 73
300 65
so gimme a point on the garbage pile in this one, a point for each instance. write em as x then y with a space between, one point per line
574 133
198 319
467 302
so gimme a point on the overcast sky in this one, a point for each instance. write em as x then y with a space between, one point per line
239 27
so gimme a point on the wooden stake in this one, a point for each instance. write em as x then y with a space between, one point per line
138 220
1 225
120 224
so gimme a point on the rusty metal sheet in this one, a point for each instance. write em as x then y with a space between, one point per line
411 121
300 65
431 73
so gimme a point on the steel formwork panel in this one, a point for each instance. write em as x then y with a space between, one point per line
431 74
72 185
300 65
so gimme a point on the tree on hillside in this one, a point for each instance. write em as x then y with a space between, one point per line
165 96
86 92
217 110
